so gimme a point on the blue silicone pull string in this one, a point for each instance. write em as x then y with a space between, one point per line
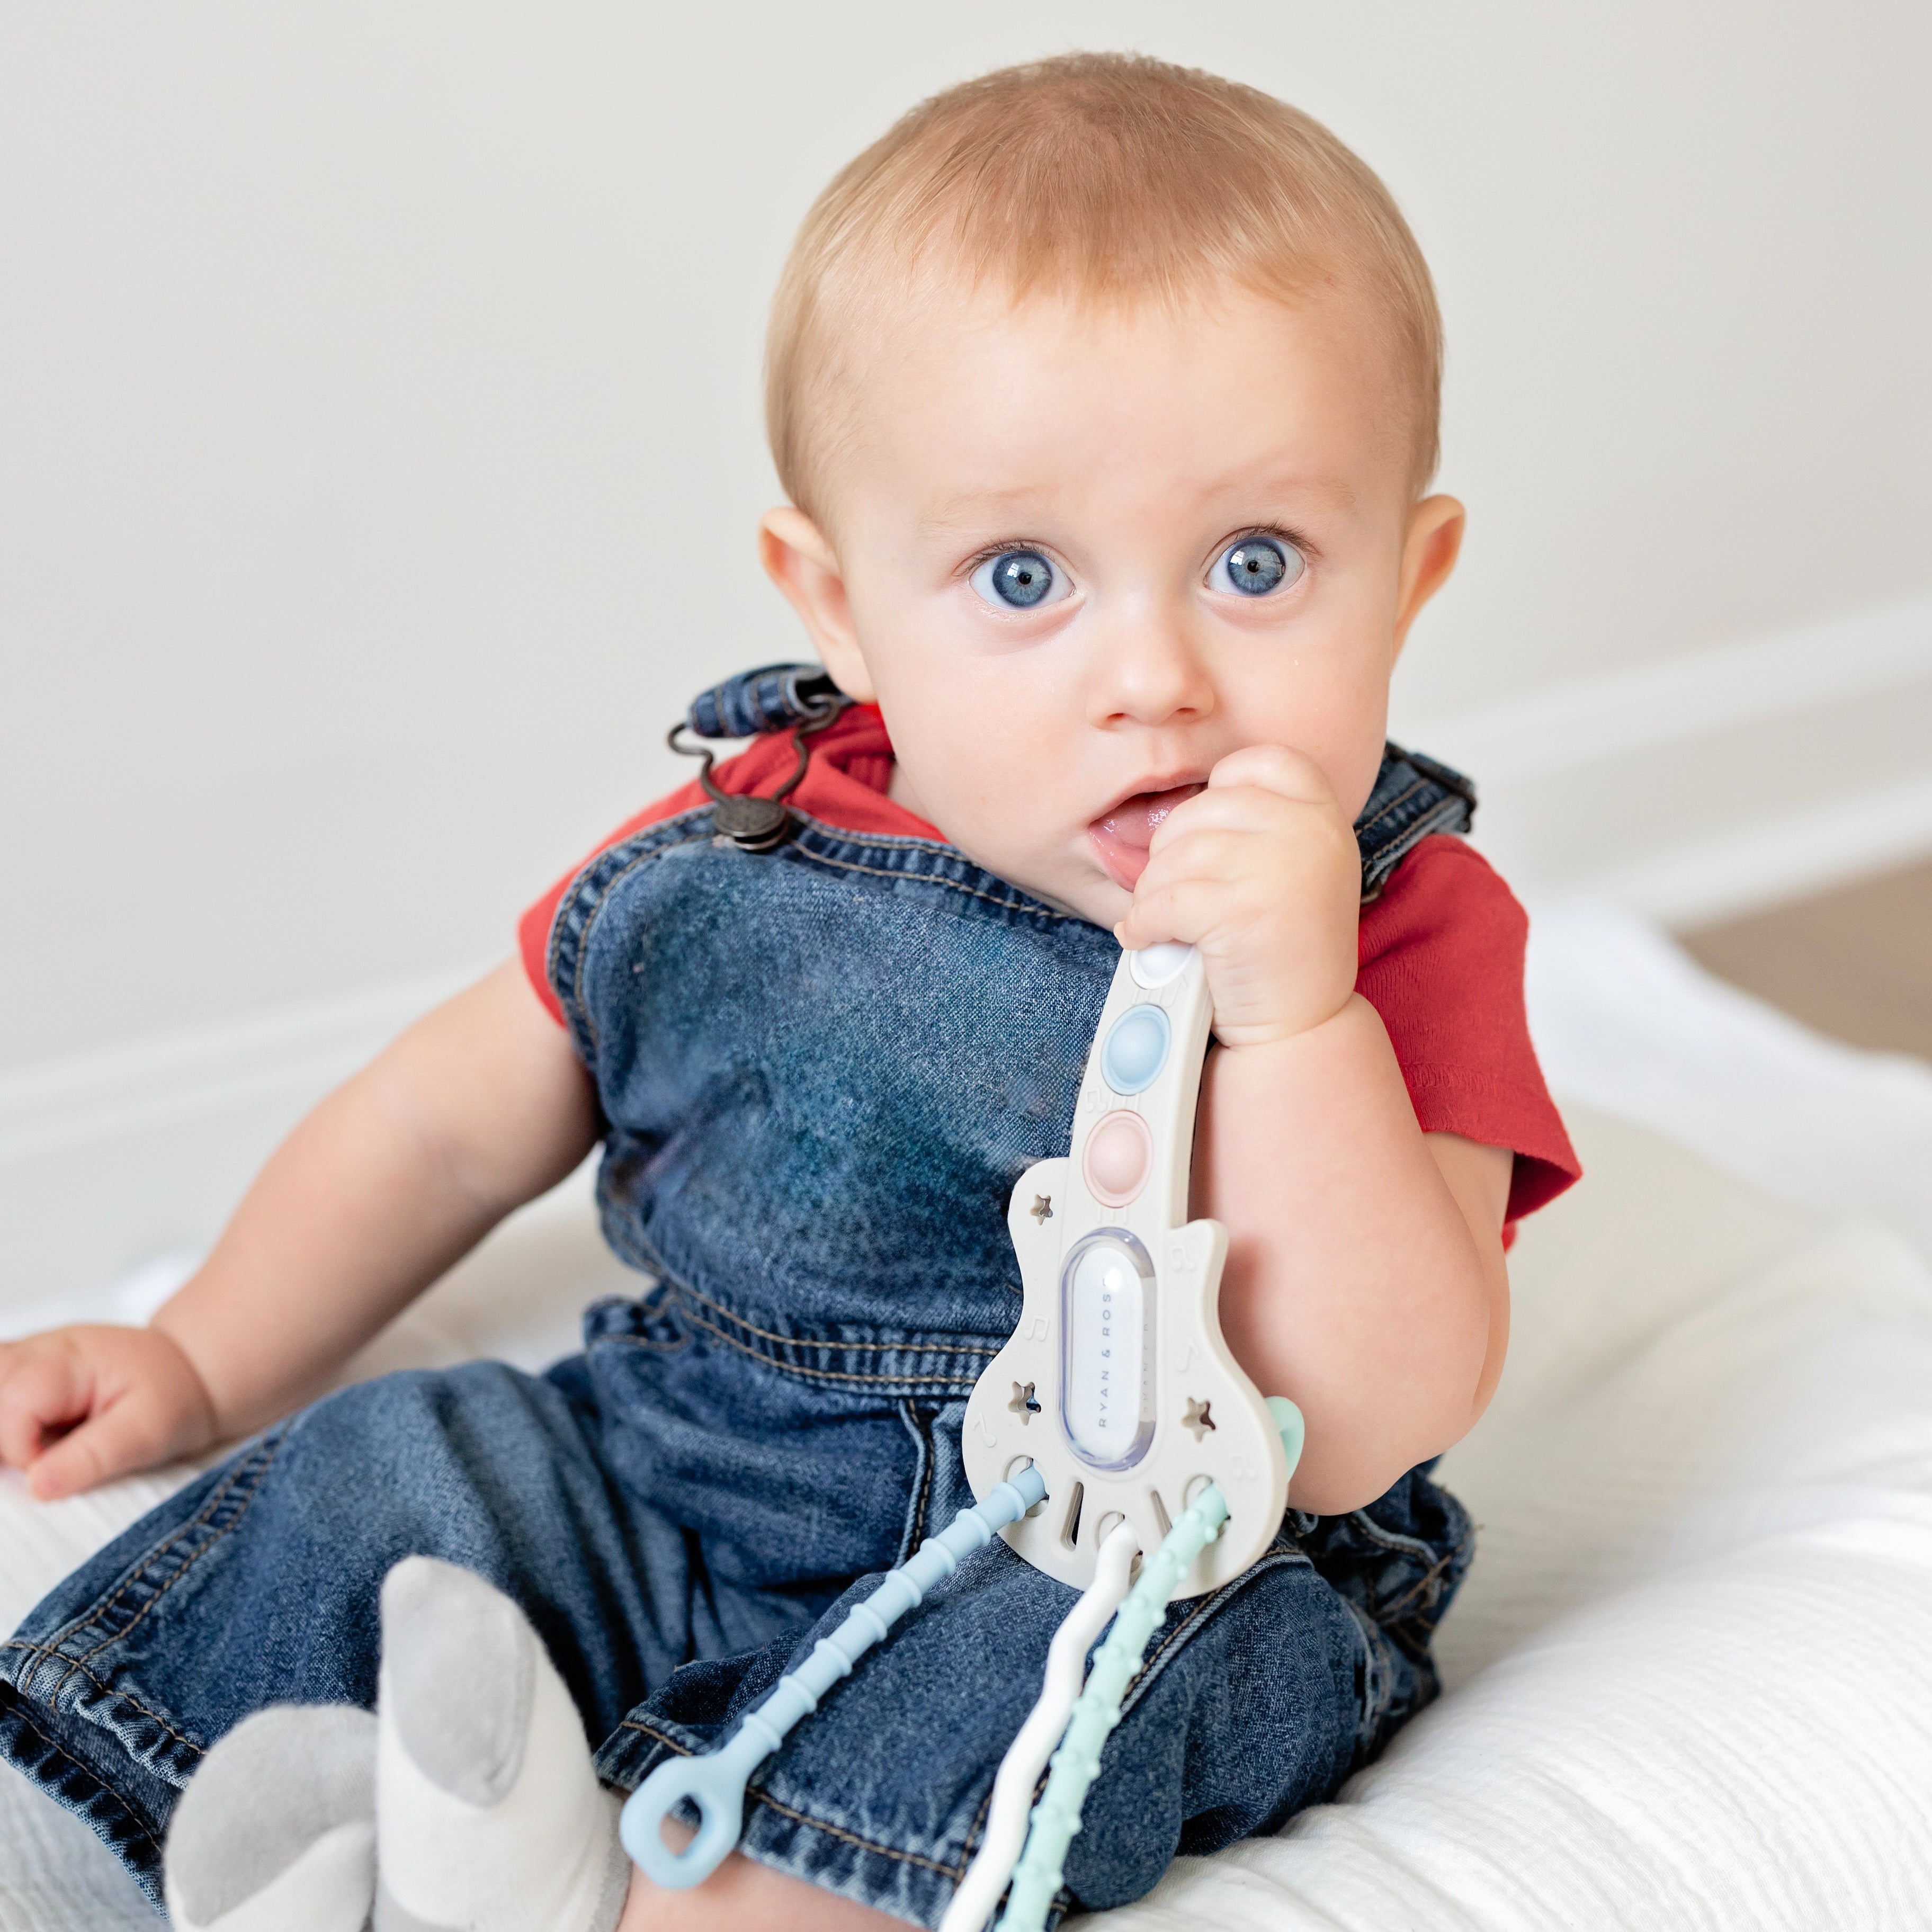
715 1784
1056 1818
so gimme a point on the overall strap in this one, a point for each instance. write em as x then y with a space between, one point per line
774 698
1413 797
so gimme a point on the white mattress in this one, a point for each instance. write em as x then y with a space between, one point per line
1690 1677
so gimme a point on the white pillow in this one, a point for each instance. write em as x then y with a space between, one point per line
1694 1659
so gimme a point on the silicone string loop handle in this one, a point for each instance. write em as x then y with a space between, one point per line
715 1784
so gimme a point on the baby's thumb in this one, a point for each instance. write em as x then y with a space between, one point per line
40 1393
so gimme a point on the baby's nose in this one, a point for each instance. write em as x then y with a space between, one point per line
1150 672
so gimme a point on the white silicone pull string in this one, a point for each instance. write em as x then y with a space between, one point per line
1077 1763
1056 1818
1026 1756
715 1784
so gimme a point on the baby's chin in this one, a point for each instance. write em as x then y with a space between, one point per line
1070 877
1088 883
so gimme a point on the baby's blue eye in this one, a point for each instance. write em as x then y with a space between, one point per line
1022 580
1255 565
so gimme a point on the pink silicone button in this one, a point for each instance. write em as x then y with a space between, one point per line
1119 1152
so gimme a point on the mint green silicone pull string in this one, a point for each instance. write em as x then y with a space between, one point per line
715 1783
1056 1818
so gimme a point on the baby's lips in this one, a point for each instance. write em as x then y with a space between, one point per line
1123 836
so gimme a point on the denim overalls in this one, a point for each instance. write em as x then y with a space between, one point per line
822 1068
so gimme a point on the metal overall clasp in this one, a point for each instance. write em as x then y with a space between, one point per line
749 821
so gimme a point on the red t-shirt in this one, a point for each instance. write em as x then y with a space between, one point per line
1441 952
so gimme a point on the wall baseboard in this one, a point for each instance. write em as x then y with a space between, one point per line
1766 861
1713 784
125 1161
131 1158
149 1084
1700 694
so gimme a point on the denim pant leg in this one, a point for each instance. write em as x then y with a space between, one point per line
258 1584
1255 1703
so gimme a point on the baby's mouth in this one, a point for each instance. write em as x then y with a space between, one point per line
1122 834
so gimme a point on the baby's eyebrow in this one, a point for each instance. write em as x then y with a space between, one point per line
970 509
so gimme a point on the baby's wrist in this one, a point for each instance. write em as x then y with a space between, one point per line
200 1412
1286 1031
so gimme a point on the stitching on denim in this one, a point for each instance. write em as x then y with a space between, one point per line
1378 1681
654 841
653 848
1391 1539
106 1689
1015 902
1401 798
922 1437
822 1374
652 1731
644 1341
897 841
267 1463
978 1826
100 1609
1412 835
925 1491
1428 1580
1439 1560
1201 1612
851 1838
869 1347
87 1770
952 1871
1396 855
51 1648
273 1446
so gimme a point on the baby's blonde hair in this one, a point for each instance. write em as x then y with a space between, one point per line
1109 179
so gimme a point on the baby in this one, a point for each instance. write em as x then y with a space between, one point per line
1105 394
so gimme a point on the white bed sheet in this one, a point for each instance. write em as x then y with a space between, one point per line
1690 1678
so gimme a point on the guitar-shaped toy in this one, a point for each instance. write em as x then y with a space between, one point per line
1116 1385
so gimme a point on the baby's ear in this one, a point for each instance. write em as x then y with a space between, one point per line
798 558
1429 553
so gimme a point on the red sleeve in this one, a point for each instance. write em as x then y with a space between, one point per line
1441 954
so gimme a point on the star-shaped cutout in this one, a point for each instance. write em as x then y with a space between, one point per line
1197 1417
1023 1404
1042 1210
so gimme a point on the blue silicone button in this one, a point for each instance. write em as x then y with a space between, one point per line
1136 1049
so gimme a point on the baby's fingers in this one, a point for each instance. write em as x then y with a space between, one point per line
121 1438
1273 768
1179 908
42 1391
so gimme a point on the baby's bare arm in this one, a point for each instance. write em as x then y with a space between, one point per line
479 1107
1365 1276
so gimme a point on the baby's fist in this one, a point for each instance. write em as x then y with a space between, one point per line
1261 871
80 1405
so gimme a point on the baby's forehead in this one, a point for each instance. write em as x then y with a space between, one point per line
1005 401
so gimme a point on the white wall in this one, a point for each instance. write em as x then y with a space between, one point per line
379 440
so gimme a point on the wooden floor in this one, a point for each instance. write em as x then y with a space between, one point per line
1856 962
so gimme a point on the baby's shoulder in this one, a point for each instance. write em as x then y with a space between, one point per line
1445 901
